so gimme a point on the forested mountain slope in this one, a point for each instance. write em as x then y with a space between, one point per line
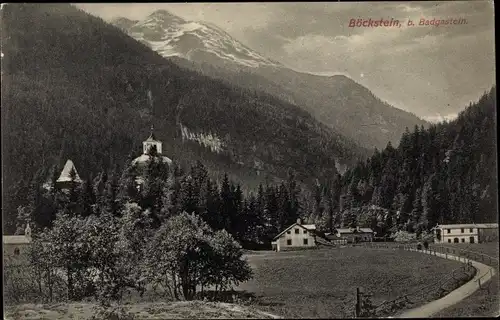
444 174
337 101
76 87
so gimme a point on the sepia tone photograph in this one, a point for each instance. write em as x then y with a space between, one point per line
249 160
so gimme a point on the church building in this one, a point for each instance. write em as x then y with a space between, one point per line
151 151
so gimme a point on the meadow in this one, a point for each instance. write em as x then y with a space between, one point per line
487 248
317 283
322 283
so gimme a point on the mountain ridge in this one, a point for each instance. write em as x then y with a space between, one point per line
77 87
340 111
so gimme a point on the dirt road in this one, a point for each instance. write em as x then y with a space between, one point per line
453 297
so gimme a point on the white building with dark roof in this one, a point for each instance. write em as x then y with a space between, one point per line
16 248
466 233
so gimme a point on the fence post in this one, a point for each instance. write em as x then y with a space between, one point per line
479 281
358 305
491 272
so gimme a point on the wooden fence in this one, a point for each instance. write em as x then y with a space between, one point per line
472 255
439 288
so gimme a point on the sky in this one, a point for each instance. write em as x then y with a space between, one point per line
432 71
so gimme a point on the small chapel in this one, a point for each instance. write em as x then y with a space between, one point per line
151 151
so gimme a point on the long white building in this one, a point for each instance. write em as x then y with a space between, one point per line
466 233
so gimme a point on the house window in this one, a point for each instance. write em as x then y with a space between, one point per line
471 230
462 230
16 251
305 231
447 230
289 232
463 240
449 240
289 242
305 242
297 231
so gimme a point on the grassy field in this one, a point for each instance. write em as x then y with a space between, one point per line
488 248
314 283
482 303
143 311
322 283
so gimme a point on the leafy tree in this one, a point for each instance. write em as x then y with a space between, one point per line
226 264
66 245
185 253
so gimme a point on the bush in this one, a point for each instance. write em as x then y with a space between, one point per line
426 245
404 237
20 285
427 236
111 313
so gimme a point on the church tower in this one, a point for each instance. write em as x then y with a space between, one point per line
69 176
141 162
151 142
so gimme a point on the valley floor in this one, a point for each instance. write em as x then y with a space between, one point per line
322 283
297 284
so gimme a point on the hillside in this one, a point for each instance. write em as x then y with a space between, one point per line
337 101
76 87
444 174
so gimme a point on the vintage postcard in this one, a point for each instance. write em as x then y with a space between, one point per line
249 160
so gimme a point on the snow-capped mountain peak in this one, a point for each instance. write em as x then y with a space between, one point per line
170 35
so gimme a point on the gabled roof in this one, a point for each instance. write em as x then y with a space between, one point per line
308 227
332 236
19 239
65 173
354 230
152 136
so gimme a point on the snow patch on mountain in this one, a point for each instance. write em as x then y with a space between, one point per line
170 35
209 140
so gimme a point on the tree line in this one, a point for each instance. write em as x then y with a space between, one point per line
72 81
442 174
107 236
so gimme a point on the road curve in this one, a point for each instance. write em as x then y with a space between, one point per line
457 295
